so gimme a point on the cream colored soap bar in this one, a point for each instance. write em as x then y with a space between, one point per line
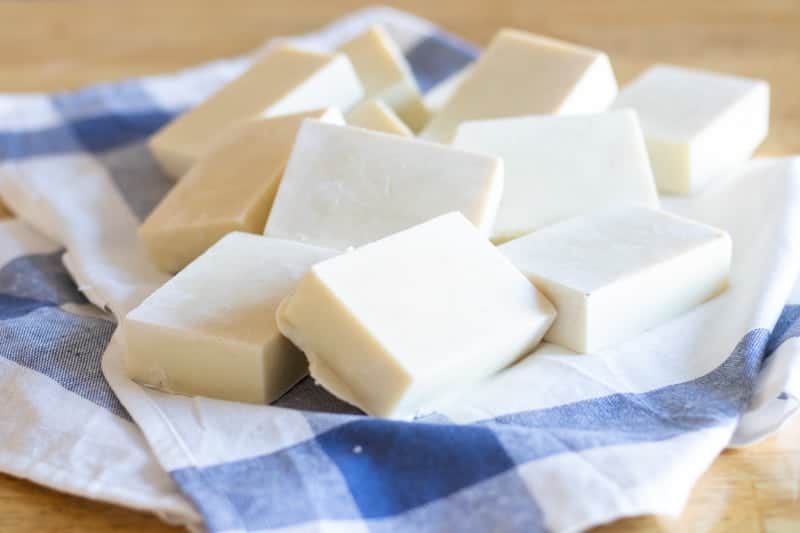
284 80
375 115
385 74
211 331
231 188
698 124
557 167
524 74
396 324
618 272
346 186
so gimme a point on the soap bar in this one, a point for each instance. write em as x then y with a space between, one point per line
376 115
524 74
557 167
618 272
385 74
211 331
284 80
438 95
346 186
398 323
698 124
230 188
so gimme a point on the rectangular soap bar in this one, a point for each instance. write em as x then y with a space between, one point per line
211 331
525 74
375 115
557 167
230 188
401 322
698 124
621 271
284 80
385 74
346 186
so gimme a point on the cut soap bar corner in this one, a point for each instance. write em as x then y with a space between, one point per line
375 115
395 324
618 272
211 331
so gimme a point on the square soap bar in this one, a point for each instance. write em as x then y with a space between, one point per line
618 272
557 167
375 115
346 186
231 188
697 124
524 74
211 331
404 321
284 80
385 74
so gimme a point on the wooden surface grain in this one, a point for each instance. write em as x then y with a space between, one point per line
47 46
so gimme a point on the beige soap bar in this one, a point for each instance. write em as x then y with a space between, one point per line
231 188
559 166
395 325
524 74
346 186
618 272
698 124
385 74
211 331
284 80
376 115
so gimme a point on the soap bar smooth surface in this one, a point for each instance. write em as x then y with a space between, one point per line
231 188
619 272
346 186
697 124
385 74
376 115
525 74
396 324
284 80
557 167
211 331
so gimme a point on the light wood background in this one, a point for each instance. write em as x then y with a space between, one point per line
46 45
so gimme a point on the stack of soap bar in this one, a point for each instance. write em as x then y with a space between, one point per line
376 115
386 75
211 331
284 80
230 188
346 186
618 272
399 322
557 167
523 74
698 124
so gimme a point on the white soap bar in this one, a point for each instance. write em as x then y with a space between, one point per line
557 167
697 124
346 186
284 80
438 95
524 74
211 331
375 115
385 74
619 272
230 188
401 322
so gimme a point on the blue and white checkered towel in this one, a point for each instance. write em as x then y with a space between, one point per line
558 442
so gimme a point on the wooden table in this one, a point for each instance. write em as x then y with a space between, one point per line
54 45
